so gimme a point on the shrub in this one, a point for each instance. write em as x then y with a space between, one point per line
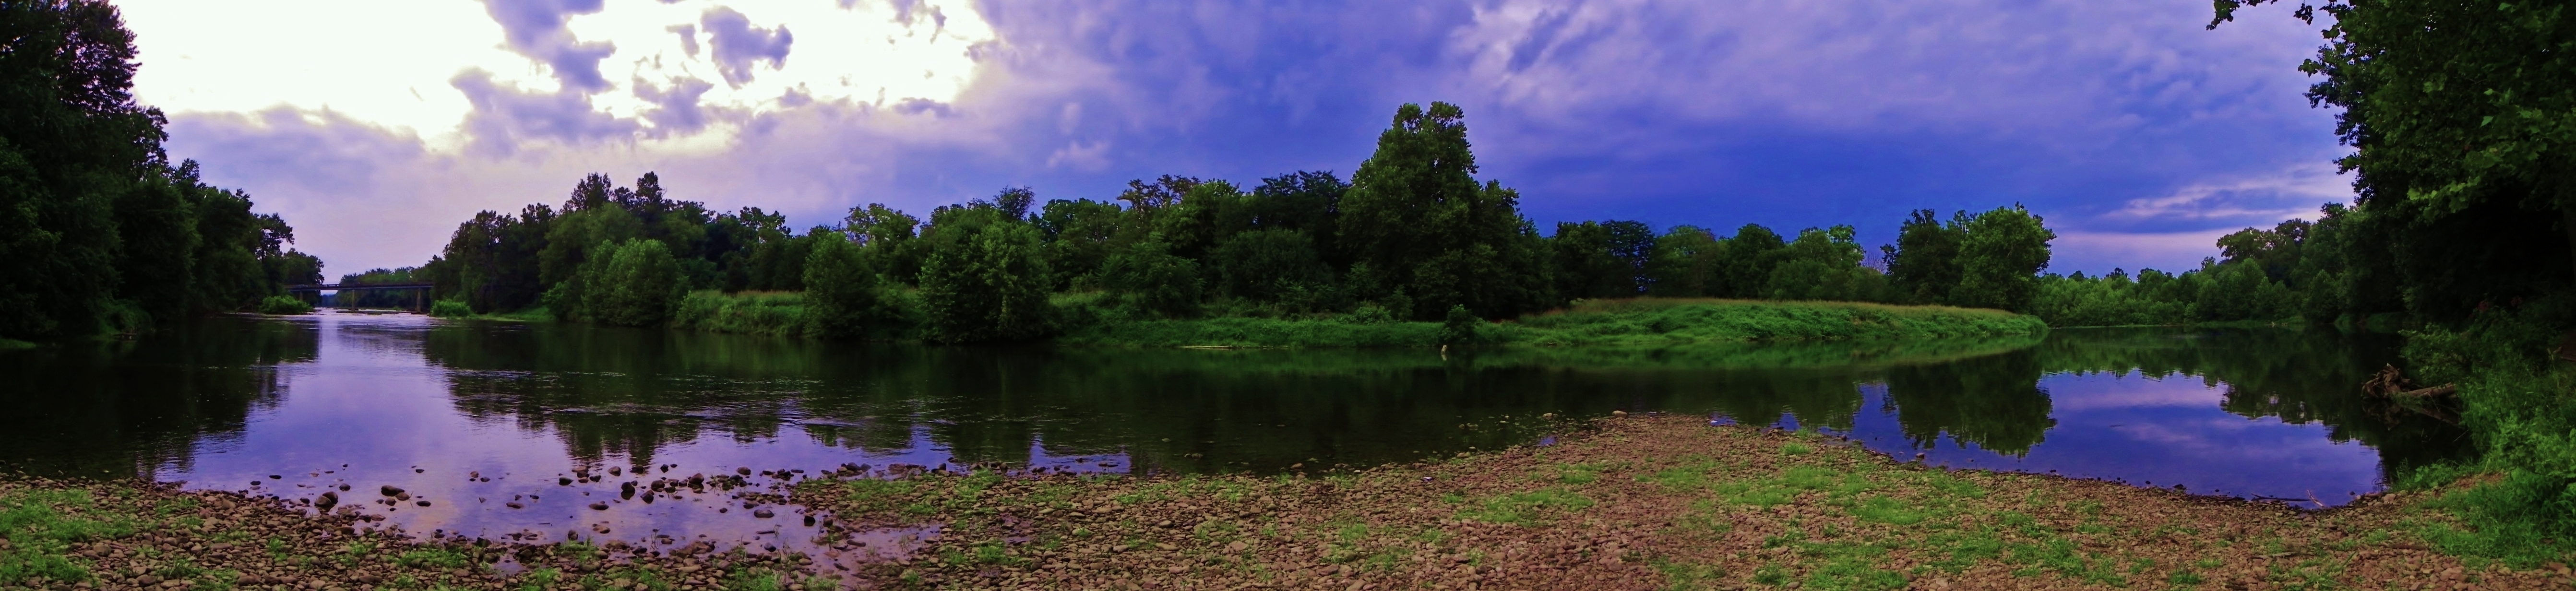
987 285
1459 327
842 297
450 309
284 305
635 284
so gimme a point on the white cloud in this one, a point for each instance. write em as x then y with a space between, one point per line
2295 192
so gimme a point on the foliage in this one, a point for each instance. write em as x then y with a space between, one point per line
95 222
769 313
450 309
284 305
1273 265
630 283
1415 214
1154 280
1459 326
1601 259
986 279
842 295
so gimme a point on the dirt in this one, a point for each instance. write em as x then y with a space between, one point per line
1632 502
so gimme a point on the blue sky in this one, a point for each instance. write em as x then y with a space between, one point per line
376 127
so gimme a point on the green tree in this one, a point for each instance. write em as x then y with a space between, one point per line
1745 267
1824 265
2001 253
1154 280
1416 215
1080 235
1269 265
986 277
1688 262
886 235
71 138
634 283
1923 266
2462 117
842 297
1601 259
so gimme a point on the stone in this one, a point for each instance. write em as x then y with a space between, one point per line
390 490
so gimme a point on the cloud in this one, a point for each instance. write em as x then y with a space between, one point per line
535 28
738 46
678 106
2133 130
505 117
2259 199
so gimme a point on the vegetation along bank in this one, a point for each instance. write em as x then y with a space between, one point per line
1625 503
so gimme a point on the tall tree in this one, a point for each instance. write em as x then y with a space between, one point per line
1416 216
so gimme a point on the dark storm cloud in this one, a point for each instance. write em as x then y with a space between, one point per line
535 28
737 46
505 116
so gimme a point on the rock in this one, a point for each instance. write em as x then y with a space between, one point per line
1618 413
599 506
423 503
326 501
763 514
745 471
390 490
514 505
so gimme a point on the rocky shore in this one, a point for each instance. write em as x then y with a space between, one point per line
1627 503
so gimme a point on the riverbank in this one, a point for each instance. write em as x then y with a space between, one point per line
1644 503
1625 503
134 535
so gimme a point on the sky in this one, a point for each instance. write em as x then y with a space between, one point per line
376 127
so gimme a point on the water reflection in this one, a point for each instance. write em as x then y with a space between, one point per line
475 416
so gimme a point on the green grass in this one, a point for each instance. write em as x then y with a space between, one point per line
40 531
1630 323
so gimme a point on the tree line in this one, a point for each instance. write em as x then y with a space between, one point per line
1412 235
99 231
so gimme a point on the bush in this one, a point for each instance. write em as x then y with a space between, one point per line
1459 327
450 309
1154 280
745 313
988 285
842 298
284 305
633 284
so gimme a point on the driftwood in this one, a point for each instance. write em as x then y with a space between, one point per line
2391 383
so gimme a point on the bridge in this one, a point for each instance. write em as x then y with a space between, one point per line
419 291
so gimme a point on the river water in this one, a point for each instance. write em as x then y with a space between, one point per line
475 416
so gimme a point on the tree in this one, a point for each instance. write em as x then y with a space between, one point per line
1415 215
886 235
2462 117
1923 266
1745 268
2001 253
1154 280
1687 263
1269 265
1824 265
841 292
986 277
1602 259
634 283
1080 235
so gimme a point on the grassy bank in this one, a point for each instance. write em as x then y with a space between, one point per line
1641 503
1623 503
1642 322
